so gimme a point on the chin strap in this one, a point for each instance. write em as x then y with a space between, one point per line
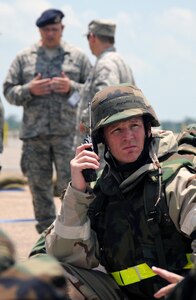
157 166
153 215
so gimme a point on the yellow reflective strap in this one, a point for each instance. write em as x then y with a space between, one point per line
133 274
140 272
117 278
189 264
145 271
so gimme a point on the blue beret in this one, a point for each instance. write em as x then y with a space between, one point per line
50 16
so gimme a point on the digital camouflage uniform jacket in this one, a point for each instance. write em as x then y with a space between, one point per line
52 114
109 69
73 241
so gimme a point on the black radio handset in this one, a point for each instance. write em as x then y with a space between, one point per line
90 175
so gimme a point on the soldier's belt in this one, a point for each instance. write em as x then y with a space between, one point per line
139 272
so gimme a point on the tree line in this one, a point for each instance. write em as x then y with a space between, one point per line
14 124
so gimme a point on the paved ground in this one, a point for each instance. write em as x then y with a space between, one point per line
16 211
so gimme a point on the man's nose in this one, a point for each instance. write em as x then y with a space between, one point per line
128 134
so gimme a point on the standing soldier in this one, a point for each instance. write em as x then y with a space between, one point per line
46 79
109 69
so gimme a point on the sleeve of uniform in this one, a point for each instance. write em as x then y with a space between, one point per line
15 90
71 239
181 197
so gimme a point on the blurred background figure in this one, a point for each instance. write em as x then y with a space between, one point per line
39 278
46 79
109 69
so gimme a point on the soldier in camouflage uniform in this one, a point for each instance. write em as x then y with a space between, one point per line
46 79
109 69
142 210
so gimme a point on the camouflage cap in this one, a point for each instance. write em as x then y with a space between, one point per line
102 27
120 102
38 278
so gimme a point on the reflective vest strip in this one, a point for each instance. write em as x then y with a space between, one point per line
133 274
139 272
189 264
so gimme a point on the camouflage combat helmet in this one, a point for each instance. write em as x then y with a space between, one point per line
38 278
117 103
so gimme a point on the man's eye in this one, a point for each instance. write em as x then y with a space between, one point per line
135 126
116 130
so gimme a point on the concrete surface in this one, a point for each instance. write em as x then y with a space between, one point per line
16 210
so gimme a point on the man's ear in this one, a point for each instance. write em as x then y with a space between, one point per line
93 37
102 137
62 28
104 142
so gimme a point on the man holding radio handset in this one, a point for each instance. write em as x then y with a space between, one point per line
140 212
